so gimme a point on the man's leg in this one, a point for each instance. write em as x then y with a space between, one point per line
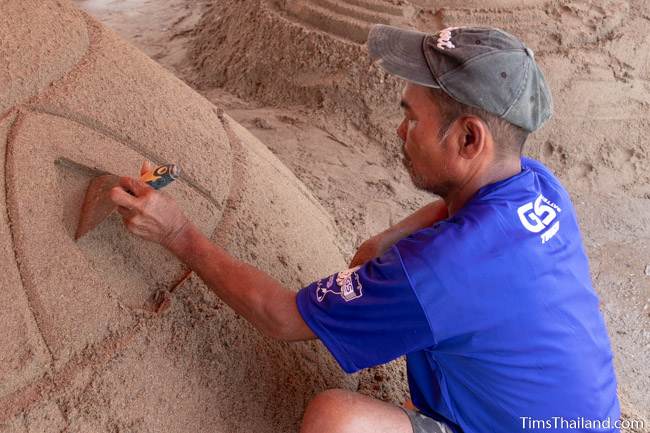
341 411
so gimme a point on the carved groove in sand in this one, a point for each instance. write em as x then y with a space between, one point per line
21 337
87 267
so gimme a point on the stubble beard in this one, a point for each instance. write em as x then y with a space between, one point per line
421 183
440 189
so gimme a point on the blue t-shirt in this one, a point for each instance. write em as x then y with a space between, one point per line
494 310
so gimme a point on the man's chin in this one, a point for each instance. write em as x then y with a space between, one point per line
415 179
422 185
418 182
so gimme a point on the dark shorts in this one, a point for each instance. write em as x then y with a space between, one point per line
423 424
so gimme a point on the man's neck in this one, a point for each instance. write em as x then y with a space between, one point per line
457 198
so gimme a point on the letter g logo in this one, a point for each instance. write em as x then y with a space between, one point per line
542 215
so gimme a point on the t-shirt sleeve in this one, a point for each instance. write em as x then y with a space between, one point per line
368 315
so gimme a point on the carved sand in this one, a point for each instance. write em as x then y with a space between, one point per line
83 349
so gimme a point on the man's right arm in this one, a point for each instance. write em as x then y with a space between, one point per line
252 293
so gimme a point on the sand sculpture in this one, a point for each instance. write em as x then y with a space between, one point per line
307 52
82 349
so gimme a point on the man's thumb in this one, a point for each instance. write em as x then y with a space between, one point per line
135 186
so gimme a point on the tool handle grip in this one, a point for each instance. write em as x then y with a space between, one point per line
161 176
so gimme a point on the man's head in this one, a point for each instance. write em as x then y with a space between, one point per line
446 142
473 96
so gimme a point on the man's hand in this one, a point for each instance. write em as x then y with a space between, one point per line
147 213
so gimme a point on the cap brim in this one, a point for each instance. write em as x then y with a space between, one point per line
399 52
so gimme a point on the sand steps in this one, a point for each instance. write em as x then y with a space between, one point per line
377 6
357 12
348 19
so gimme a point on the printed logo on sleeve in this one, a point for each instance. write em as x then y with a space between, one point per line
540 216
345 283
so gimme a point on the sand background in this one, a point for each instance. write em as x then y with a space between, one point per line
295 74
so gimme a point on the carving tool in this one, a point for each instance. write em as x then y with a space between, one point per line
97 205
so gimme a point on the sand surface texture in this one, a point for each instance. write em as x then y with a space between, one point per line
86 351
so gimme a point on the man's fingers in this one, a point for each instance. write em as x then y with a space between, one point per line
125 212
134 226
146 167
135 186
122 199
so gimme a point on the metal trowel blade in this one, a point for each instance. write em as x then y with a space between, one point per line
97 205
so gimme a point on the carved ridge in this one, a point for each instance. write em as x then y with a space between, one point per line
32 302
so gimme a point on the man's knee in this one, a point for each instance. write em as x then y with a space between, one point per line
330 411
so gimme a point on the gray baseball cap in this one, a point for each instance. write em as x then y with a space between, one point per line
482 67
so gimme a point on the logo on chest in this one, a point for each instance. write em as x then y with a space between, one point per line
540 216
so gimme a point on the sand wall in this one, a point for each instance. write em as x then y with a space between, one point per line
84 348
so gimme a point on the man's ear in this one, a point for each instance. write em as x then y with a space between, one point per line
472 136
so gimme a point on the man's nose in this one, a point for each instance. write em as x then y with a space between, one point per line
401 130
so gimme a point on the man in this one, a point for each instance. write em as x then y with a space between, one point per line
488 293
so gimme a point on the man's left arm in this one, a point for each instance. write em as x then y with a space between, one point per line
380 243
253 294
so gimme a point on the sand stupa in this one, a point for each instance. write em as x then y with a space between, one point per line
82 349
